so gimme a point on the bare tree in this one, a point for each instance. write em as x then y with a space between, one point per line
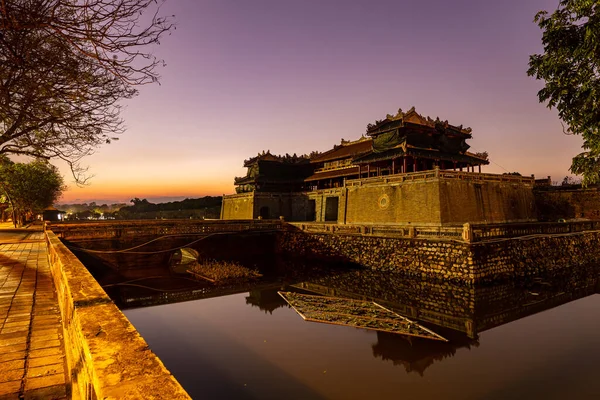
65 65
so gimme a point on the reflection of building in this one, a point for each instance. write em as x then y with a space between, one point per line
266 300
455 312
405 162
470 310
416 355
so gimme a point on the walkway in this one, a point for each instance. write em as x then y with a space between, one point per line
32 356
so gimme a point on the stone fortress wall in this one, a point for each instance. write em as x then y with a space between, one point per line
567 202
451 260
433 197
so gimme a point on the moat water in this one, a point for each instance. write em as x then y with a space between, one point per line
529 340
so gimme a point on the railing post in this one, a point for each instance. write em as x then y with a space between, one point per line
467 233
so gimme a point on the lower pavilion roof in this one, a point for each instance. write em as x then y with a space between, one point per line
421 153
334 173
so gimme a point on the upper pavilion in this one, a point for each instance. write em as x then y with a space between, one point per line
401 143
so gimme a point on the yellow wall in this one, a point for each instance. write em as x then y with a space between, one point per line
432 201
415 202
238 206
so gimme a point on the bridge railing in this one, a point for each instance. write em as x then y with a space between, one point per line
406 231
468 232
483 232
121 229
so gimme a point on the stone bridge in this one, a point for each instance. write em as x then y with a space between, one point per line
134 229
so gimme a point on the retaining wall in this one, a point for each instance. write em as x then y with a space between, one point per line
451 261
106 356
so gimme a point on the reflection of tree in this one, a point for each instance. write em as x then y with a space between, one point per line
417 354
265 300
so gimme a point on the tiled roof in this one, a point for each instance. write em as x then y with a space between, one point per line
413 117
336 173
352 149
423 153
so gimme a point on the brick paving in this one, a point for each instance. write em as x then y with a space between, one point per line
32 355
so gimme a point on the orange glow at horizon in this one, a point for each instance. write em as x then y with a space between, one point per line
124 191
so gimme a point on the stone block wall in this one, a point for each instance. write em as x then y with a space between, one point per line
537 255
415 202
485 202
435 200
320 200
106 356
290 206
442 303
451 261
554 203
416 257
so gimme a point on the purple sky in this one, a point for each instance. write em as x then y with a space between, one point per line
295 76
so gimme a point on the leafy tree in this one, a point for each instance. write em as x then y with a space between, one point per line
66 65
29 188
570 66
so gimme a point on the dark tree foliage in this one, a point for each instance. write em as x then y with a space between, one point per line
570 66
144 205
29 188
65 66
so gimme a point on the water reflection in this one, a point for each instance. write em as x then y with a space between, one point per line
416 355
461 308
456 312
252 345
266 300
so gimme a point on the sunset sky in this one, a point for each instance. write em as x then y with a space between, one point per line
296 76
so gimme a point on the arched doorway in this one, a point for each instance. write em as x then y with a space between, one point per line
264 212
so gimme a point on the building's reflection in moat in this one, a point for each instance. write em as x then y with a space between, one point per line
253 345
458 313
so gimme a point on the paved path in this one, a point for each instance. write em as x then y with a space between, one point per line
32 356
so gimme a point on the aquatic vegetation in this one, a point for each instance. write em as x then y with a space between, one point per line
355 313
221 272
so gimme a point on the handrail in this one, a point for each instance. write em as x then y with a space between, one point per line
406 231
444 174
338 167
482 232
469 233
129 228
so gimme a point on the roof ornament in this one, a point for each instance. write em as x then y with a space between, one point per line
413 117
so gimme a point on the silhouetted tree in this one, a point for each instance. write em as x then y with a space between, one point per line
570 67
65 66
29 188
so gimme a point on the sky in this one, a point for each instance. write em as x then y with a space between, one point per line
243 76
